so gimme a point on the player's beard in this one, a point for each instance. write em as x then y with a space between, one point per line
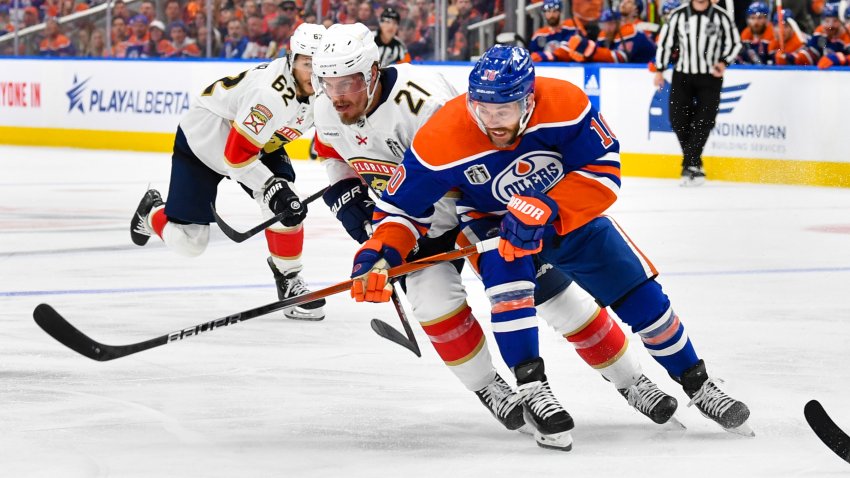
354 110
553 22
505 137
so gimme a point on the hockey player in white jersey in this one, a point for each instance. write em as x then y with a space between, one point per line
365 119
237 129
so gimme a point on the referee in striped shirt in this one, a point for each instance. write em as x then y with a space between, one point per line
706 41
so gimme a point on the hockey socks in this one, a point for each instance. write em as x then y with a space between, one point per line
459 341
285 246
647 310
514 321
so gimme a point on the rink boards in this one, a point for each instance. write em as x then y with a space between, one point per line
774 125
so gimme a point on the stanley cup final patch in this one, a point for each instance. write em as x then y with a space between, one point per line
257 118
477 174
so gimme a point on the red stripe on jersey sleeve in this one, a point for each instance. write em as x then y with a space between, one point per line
325 151
239 150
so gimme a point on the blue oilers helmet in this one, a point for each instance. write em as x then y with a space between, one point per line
758 8
609 16
669 6
504 74
786 15
552 5
830 10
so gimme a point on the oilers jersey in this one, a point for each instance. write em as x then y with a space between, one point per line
372 148
566 151
237 116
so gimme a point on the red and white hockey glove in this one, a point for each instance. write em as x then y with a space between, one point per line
522 228
371 263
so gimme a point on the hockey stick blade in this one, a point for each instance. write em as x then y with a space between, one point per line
402 315
60 329
388 332
237 236
829 433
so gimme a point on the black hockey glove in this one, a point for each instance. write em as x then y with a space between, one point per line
349 201
280 198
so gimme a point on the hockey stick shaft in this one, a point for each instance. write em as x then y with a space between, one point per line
237 236
60 329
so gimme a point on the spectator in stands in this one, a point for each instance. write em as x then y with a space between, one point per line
54 44
49 8
792 51
390 47
290 10
215 47
485 8
417 46
236 43
191 10
258 37
135 45
97 45
366 15
462 41
173 12
249 9
282 28
147 9
224 16
119 31
830 43
81 39
181 45
158 45
119 9
30 17
757 37
269 11
6 25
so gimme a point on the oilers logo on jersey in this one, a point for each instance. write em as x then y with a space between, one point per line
538 170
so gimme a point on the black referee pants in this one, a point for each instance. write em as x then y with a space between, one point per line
694 101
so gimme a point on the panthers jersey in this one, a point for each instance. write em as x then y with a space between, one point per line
237 116
566 151
373 147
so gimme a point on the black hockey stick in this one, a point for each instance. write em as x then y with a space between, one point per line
388 332
237 236
829 433
60 329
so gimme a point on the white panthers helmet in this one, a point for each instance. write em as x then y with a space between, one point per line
345 50
305 41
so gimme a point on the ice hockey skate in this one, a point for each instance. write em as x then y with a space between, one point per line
713 403
140 232
645 397
541 408
292 285
693 176
503 402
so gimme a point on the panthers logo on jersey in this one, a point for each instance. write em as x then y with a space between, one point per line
375 172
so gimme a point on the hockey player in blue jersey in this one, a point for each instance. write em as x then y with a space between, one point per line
547 165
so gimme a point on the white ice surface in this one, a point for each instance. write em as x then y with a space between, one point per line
759 274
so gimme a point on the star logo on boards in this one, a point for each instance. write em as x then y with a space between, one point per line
75 95
361 140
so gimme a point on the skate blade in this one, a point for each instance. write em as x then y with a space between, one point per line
673 424
557 441
527 429
295 315
743 429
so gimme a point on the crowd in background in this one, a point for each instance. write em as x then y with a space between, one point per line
581 30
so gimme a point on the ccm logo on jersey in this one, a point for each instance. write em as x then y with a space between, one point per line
538 170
